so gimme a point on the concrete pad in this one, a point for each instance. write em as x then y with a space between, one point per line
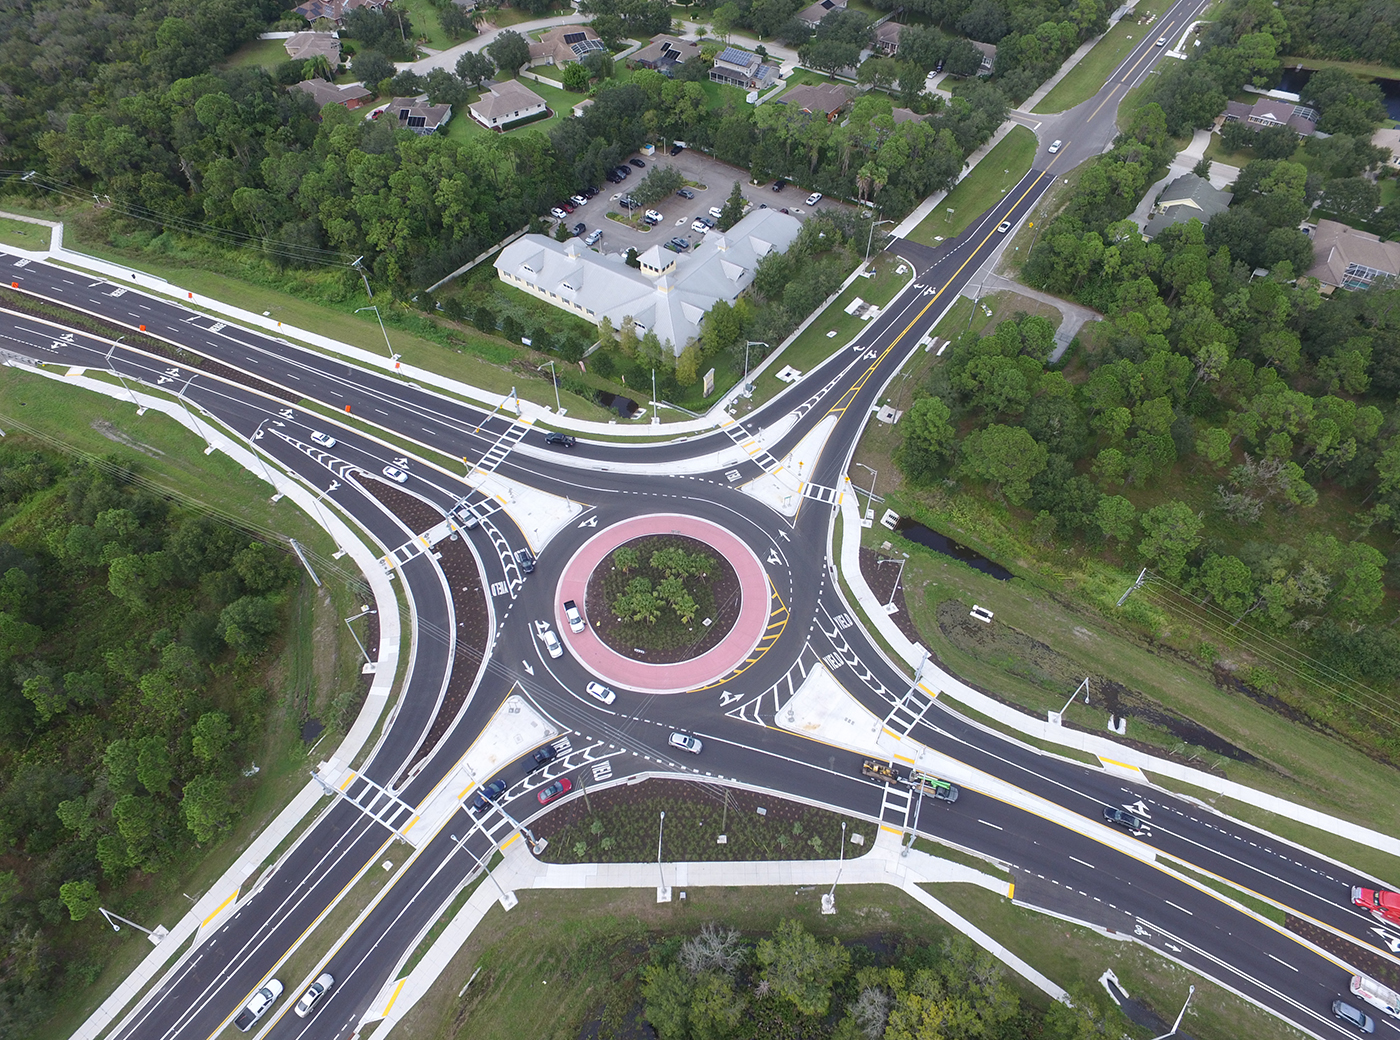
781 490
823 710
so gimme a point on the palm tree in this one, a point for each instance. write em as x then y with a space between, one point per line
319 65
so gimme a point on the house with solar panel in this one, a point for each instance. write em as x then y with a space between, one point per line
563 44
743 69
1268 111
665 53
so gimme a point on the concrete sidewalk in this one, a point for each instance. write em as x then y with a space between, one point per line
520 870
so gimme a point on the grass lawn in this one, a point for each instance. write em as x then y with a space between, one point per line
981 188
322 659
23 235
267 53
1356 68
808 78
1390 188
1091 75
426 28
721 94
561 106
1216 152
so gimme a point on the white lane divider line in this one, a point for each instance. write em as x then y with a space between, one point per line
1181 908
984 823
1284 963
1082 863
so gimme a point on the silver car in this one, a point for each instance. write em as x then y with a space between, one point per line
314 993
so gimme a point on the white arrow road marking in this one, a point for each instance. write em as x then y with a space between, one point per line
726 698
592 521
527 666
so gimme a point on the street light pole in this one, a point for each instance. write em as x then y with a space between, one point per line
870 495
186 405
1056 718
663 894
392 356
508 899
554 378
257 435
1177 1024
871 239
748 387
829 900
155 936
121 380
361 645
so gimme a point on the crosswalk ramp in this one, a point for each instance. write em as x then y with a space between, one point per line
821 493
762 456
376 802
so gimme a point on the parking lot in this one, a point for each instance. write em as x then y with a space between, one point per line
678 214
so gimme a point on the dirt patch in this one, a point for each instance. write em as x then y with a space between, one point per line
109 431
620 824
880 576
1387 973
717 594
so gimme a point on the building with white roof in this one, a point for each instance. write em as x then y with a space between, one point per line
671 292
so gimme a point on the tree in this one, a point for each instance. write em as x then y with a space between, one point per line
317 67
1005 456
1275 142
1229 581
660 183
800 969
733 208
373 69
80 897
205 807
716 948
473 67
715 1009
247 623
211 736
510 51
576 77
1172 532
666 991
1352 198
1115 516
1236 136
625 558
456 22
1202 168
829 56
1213 445
928 439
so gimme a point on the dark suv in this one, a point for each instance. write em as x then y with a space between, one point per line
1123 819
487 794
525 560
541 758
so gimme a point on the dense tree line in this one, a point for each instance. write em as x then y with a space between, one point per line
718 985
128 632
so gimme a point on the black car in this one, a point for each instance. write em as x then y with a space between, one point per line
487 794
564 440
542 757
685 193
681 243
622 171
779 184
676 149
939 66
1123 819
638 163
589 193
525 560
613 177
580 228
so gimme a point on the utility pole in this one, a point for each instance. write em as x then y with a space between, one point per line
1136 585
663 894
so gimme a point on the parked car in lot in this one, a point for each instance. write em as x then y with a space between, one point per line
557 213
685 742
580 228
554 790
779 184
551 643
541 757
256 1007
653 217
1054 146
716 212
600 692
525 560
814 198
578 200
1124 819
312 996
613 177
325 440
676 149
681 243
628 201
563 440
1354 1017
589 192
699 227
685 193
638 163
567 207
488 793
395 474
594 237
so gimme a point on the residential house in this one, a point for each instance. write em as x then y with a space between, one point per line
507 102
742 69
1273 112
1186 198
989 54
813 15
1389 139
352 95
904 115
826 99
664 53
887 37
563 44
1344 258
303 46
671 292
417 115
333 10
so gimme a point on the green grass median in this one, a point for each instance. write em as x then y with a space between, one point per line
981 189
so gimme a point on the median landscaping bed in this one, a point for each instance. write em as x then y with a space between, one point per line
621 824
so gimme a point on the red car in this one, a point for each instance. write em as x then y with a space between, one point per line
1378 901
554 790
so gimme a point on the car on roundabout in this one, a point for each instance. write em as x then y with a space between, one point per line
551 643
525 560
562 786
541 757
599 692
325 440
313 995
395 474
488 793
685 742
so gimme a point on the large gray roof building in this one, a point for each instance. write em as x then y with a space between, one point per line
1186 198
671 292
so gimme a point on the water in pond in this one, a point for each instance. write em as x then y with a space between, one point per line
929 539
1295 79
310 730
623 406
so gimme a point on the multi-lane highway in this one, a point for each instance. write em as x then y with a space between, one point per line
1041 814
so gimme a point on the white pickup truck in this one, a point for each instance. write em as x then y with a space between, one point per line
257 1007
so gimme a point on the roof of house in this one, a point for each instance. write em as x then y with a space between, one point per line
504 98
1185 198
303 45
738 57
989 51
825 98
904 115
409 109
671 293
1336 246
667 49
815 13
566 43
1389 138
332 9
888 32
329 94
1301 118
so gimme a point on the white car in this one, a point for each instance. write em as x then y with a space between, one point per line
557 213
654 217
1161 41
575 619
395 474
258 1005
1004 227
594 237
325 440
313 994
600 692
551 643
814 198
1055 146
578 200
699 227
716 212
685 742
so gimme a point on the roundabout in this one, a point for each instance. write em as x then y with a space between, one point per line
633 671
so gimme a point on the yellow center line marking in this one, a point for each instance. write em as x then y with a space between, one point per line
1101 104
1145 54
